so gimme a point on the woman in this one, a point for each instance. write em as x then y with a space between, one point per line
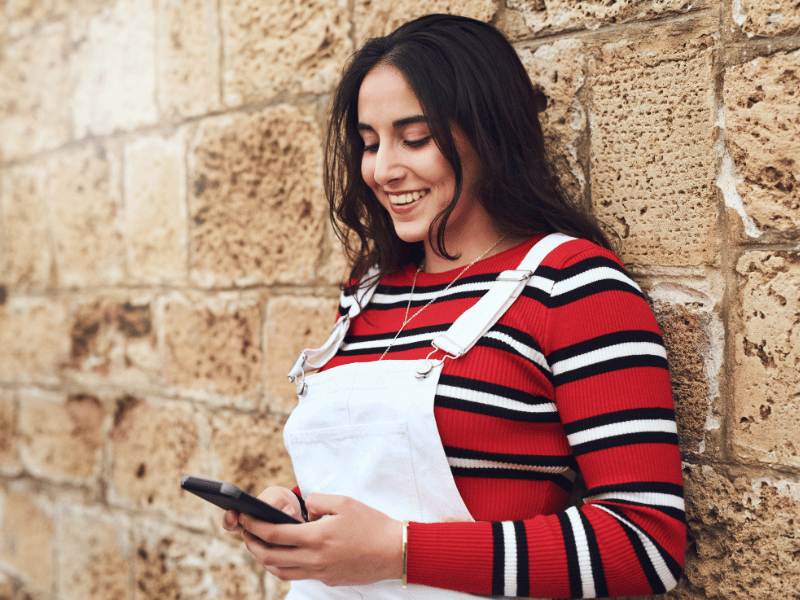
478 363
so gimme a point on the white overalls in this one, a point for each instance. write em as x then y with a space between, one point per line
367 430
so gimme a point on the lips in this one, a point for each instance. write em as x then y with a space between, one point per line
407 198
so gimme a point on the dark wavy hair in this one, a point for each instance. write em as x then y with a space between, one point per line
465 73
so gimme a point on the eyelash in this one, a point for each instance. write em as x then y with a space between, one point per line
410 143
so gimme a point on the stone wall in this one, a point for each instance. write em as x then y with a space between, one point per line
164 254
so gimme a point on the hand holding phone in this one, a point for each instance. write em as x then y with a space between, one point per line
229 497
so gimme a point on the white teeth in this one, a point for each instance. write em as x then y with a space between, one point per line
407 198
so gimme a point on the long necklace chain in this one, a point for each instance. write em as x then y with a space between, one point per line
407 319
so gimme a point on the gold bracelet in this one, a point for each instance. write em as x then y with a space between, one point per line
405 553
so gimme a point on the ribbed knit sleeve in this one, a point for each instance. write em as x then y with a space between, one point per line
605 366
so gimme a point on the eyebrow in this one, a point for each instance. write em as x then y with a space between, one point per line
397 123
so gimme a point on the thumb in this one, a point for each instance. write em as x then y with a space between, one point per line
323 505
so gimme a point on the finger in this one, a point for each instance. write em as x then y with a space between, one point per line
279 557
320 505
283 499
230 521
275 534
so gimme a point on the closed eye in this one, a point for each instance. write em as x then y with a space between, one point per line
417 143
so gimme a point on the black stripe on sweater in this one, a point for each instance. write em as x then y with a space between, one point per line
498 563
571 548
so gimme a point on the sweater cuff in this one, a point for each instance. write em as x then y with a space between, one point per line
454 556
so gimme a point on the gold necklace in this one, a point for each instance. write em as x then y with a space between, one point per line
407 319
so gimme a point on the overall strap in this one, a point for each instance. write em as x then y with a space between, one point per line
477 320
316 358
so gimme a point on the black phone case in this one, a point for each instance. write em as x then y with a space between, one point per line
228 496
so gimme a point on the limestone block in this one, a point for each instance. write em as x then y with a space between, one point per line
212 346
559 71
25 16
276 589
766 416
188 57
113 339
155 208
292 46
560 15
86 212
257 208
34 84
61 437
113 69
154 445
28 256
766 17
250 452
94 549
652 132
28 540
334 268
172 564
687 337
376 18
293 324
762 118
744 536
34 336
9 460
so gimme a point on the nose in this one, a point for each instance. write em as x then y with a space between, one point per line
388 166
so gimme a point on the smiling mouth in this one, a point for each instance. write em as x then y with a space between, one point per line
401 199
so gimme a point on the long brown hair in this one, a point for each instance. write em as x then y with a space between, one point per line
463 72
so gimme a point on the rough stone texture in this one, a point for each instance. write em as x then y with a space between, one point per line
154 445
652 168
113 69
28 258
744 536
257 207
27 540
250 453
83 191
213 346
113 339
9 459
559 71
293 324
766 415
762 118
188 57
380 17
155 208
34 337
274 47
766 17
171 564
559 15
34 113
94 555
61 437
687 340
276 589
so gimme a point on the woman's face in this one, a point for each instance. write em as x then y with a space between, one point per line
405 168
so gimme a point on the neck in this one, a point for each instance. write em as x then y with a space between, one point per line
433 263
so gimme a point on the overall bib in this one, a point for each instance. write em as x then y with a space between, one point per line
367 430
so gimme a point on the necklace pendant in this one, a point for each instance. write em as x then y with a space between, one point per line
424 369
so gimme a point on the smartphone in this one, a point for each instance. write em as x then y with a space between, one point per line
228 496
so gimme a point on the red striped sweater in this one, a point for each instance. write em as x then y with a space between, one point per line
572 378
